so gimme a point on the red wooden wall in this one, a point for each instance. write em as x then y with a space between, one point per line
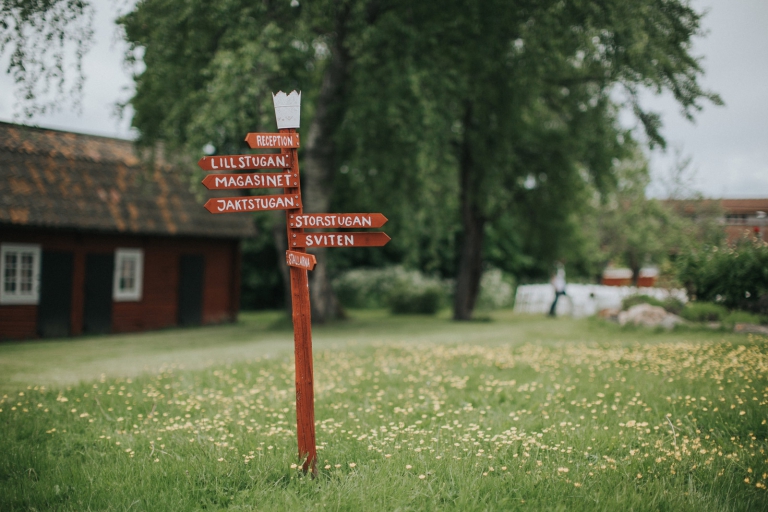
158 305
16 321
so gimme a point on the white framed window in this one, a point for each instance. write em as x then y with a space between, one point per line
129 274
20 274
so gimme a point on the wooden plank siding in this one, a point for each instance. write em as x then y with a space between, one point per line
18 322
158 307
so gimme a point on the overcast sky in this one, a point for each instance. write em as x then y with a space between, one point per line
728 145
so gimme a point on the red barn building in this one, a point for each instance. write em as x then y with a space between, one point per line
623 277
95 240
745 218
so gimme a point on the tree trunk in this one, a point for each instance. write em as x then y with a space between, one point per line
634 265
319 165
470 264
473 226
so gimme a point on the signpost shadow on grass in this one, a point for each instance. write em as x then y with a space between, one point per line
288 115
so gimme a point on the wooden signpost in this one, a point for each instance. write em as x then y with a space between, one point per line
287 112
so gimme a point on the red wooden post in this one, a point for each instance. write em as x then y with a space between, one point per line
287 112
302 334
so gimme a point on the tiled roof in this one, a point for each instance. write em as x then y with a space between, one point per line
745 206
729 206
57 179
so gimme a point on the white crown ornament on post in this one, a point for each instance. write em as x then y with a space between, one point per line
287 109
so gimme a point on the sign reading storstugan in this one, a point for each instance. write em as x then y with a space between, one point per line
337 220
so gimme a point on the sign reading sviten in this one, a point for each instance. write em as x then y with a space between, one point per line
340 239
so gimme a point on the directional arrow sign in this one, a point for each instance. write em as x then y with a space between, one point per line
337 220
348 239
252 203
300 260
237 162
250 180
272 140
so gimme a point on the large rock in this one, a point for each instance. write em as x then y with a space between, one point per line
649 316
753 328
609 314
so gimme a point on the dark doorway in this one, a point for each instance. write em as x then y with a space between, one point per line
191 270
54 310
97 306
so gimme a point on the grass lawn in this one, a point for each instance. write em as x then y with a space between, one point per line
413 413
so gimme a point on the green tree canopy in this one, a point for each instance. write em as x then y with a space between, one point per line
42 36
479 128
636 230
520 100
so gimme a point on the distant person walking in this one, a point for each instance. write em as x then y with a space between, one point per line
558 281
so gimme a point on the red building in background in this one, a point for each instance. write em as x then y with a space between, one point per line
95 240
745 217
623 277
739 218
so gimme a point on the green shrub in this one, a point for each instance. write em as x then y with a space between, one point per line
401 290
736 277
742 317
497 290
422 300
410 291
670 304
704 312
673 305
634 300
364 288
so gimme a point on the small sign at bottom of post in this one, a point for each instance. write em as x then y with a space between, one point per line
300 260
